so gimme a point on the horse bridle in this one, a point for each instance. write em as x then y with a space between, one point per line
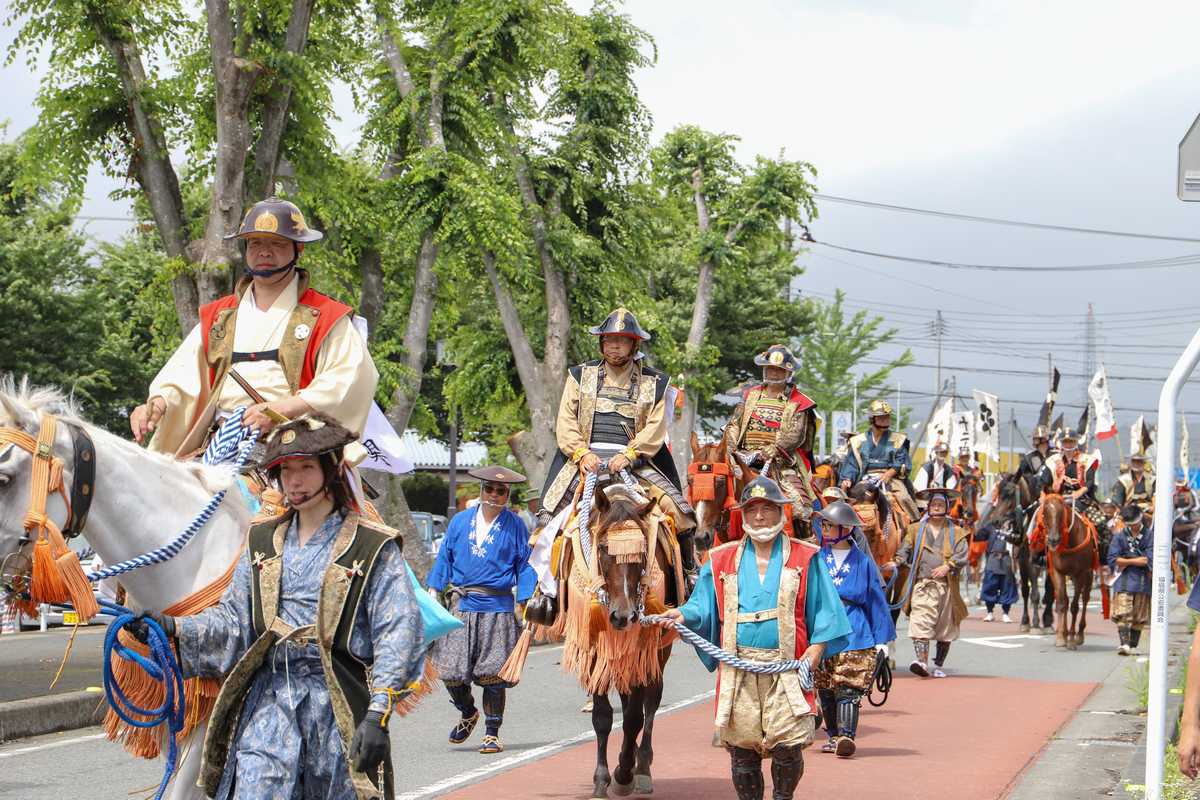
47 471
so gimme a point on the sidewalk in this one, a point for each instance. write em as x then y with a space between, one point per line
28 663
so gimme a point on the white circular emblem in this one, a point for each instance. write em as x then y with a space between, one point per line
302 332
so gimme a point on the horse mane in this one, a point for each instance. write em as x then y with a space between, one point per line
52 400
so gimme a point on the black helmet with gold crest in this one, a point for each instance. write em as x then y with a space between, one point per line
279 217
621 322
777 355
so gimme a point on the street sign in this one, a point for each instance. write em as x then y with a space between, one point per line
1188 179
841 422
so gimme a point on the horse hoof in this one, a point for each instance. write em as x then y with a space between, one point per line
1060 642
600 790
643 784
1072 646
622 789
1025 629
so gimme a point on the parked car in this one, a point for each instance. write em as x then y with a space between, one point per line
432 528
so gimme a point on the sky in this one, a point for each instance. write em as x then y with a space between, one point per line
1067 113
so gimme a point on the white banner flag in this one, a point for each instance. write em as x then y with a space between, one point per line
1106 420
385 450
987 424
1135 435
939 428
1183 446
962 432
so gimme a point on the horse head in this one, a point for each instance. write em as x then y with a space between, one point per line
623 550
1008 499
711 489
1056 518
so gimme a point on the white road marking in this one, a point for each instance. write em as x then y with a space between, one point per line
999 641
476 775
20 751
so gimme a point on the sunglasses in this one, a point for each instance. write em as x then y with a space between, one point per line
495 488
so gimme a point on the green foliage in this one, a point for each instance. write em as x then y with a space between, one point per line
427 492
837 345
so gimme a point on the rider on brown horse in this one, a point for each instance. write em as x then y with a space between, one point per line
777 423
1072 474
880 456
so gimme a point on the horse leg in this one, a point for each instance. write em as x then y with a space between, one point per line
1086 592
1074 618
642 782
602 720
632 715
1061 602
1023 570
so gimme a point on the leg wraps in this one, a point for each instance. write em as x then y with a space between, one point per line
943 650
921 649
848 701
493 709
460 698
829 711
1135 636
787 767
746 767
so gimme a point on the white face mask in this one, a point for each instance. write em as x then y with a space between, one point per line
764 535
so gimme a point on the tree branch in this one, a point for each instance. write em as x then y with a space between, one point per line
275 107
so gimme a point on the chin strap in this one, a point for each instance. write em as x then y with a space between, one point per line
270 273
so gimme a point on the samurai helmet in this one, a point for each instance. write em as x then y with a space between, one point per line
879 408
1069 435
763 488
279 217
777 355
621 322
309 436
841 513
1040 432
941 448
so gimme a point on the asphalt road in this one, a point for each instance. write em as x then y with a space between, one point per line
543 720
29 660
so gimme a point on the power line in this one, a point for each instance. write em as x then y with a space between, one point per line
1033 373
1159 263
1000 221
1060 404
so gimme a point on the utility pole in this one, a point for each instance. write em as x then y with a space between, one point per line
1012 426
1089 359
937 329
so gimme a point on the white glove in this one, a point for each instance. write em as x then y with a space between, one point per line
883 648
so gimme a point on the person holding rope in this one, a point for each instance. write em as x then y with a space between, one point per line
318 637
276 346
937 550
753 580
484 556
842 679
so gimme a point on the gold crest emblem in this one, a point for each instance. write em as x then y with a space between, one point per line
776 358
302 332
298 222
288 437
266 223
758 491
621 312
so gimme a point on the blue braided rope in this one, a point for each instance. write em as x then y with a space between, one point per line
231 441
799 665
585 513
162 666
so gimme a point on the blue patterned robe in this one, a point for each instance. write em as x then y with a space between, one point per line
860 587
287 743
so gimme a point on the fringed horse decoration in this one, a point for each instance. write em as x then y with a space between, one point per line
632 569
1069 539
713 486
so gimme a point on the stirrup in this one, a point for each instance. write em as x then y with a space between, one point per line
491 744
462 731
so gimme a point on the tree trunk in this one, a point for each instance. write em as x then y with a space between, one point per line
234 78
152 164
275 109
370 304
416 334
393 507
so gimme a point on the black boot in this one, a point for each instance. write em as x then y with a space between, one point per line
828 702
460 698
939 656
787 767
848 701
687 560
1135 636
746 766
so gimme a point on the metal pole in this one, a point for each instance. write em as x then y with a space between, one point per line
452 502
1012 424
1160 574
854 406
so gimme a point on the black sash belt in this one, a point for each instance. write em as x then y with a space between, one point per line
262 355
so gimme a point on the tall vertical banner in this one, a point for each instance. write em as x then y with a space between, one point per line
1106 420
962 432
987 424
1136 434
1183 445
939 427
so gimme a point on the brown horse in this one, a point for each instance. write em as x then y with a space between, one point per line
965 511
1070 542
629 571
715 481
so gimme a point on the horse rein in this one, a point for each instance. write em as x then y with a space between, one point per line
47 474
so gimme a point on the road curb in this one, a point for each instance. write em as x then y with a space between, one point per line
36 716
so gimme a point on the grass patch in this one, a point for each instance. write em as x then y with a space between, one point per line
1137 681
1176 785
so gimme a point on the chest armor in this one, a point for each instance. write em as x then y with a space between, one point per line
615 419
762 429
1137 491
877 456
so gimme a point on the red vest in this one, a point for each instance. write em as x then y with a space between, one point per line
722 560
327 312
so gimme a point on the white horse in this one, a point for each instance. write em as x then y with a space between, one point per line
140 501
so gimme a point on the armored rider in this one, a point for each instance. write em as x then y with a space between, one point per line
881 456
776 423
295 347
613 417
1135 487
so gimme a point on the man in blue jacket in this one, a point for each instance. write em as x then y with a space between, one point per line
1129 565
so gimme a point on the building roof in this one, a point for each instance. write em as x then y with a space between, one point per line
429 453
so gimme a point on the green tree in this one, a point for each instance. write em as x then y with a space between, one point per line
833 352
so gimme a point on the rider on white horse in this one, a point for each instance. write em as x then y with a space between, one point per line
296 350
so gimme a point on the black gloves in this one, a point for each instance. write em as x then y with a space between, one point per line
370 745
140 630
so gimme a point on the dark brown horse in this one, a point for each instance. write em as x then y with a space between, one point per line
627 574
1007 514
714 483
1071 555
